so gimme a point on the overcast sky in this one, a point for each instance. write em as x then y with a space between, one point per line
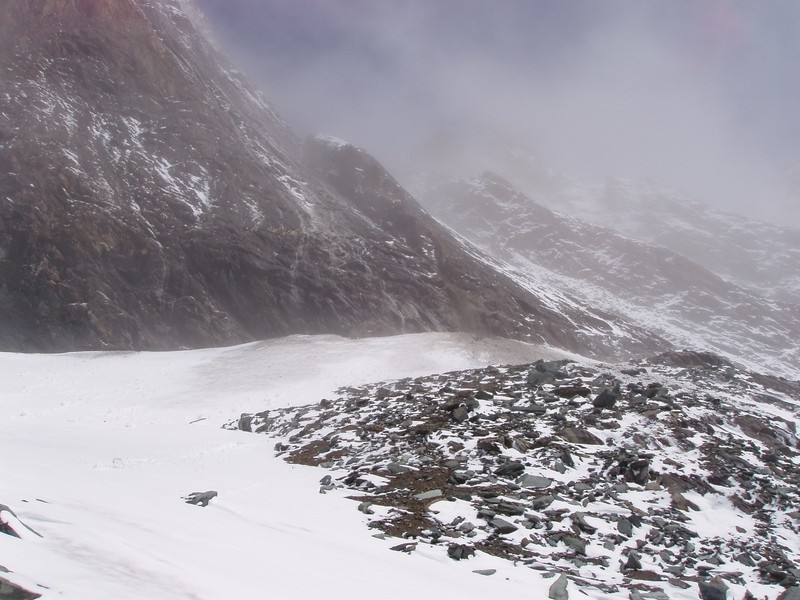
701 95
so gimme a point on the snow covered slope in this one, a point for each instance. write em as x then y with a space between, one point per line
651 286
99 448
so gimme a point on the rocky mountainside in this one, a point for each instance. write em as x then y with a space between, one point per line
652 286
674 477
151 198
759 256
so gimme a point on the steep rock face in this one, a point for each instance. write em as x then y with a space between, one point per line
150 198
128 156
483 295
650 285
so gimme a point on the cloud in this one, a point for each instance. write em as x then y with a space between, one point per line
696 95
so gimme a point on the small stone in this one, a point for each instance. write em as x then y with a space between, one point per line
397 468
713 589
459 551
407 547
200 498
536 378
606 399
534 481
558 589
579 519
624 527
575 543
428 495
633 563
579 435
543 502
365 507
510 469
245 423
745 559
460 414
485 572
466 527
502 526
793 593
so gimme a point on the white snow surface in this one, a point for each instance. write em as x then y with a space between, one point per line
99 448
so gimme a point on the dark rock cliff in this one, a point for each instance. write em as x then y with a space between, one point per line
151 198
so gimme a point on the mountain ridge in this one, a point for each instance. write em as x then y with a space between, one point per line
151 198
654 287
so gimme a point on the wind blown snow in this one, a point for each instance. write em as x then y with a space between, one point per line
100 448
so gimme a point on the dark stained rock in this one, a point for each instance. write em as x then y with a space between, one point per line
510 469
460 551
633 563
579 435
713 589
606 399
460 414
580 521
624 527
569 391
502 526
536 378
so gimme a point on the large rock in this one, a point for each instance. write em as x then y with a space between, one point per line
11 591
713 589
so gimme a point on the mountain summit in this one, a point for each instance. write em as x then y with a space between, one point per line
151 198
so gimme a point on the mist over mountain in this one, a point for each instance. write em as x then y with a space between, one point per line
658 289
151 198
598 389
695 96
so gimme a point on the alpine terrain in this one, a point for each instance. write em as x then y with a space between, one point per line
657 288
240 364
152 199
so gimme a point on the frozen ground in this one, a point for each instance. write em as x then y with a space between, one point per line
98 448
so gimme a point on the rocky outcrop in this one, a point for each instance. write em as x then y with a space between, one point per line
670 487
